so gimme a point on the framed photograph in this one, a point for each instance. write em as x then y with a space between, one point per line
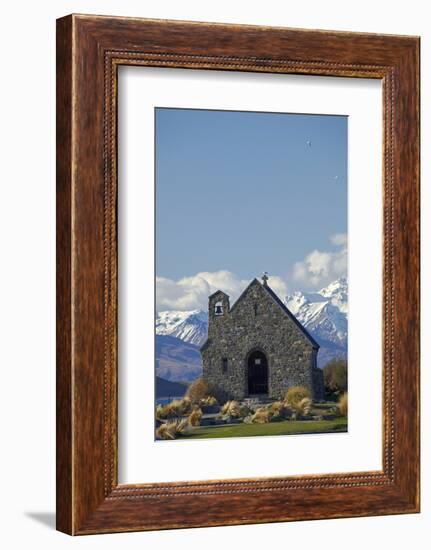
237 274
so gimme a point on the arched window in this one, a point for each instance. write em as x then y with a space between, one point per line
218 308
224 364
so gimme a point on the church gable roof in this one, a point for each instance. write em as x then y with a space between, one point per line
218 292
244 293
290 314
284 308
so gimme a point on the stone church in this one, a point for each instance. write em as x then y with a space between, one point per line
257 348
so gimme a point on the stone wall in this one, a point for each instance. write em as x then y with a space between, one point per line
318 384
256 321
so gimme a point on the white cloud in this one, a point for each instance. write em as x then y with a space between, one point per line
278 285
192 292
319 268
339 239
316 270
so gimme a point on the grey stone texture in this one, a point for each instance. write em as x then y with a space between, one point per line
257 321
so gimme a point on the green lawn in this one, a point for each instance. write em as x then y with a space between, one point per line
288 427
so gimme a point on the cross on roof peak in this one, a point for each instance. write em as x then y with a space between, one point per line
265 278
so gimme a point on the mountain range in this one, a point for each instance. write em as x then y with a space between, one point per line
189 326
179 334
176 359
324 315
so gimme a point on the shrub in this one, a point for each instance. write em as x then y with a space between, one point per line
244 411
195 417
295 395
342 404
181 406
262 416
335 377
232 409
160 411
279 411
208 401
171 430
197 390
165 411
174 409
276 406
303 408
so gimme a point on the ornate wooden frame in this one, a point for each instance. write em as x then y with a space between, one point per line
89 51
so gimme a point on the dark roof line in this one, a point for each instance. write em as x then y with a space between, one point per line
205 344
217 292
243 293
208 341
290 314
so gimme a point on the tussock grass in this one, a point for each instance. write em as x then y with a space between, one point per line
209 400
262 416
276 406
298 398
280 411
232 409
172 429
343 404
195 417
295 394
174 409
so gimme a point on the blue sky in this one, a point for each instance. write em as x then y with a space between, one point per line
247 192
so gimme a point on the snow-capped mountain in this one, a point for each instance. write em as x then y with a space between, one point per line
323 313
189 326
337 293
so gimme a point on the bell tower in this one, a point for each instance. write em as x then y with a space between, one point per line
218 307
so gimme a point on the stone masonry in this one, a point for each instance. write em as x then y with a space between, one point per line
257 347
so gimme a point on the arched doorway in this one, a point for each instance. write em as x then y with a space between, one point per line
257 370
